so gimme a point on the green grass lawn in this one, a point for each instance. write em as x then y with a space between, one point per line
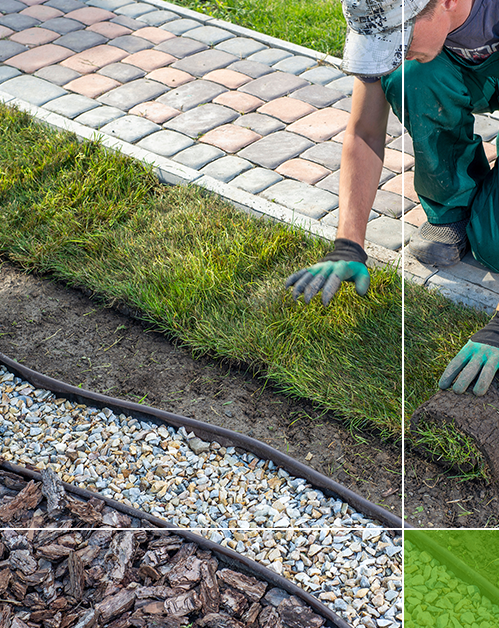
317 25
213 278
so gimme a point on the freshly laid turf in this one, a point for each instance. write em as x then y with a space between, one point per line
198 270
318 25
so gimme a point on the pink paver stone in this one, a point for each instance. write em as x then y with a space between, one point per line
41 13
34 36
109 30
415 216
243 103
149 60
228 78
490 150
90 15
170 76
339 138
153 34
321 125
95 58
303 170
154 111
5 32
92 85
36 58
395 185
394 160
287 109
230 138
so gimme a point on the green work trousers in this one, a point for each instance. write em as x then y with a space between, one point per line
452 176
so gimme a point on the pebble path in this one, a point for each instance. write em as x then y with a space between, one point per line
436 597
338 554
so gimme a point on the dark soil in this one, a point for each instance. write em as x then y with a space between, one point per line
64 334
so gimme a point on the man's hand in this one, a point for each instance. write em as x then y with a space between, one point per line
479 356
345 263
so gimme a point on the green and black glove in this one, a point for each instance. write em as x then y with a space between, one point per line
479 356
346 263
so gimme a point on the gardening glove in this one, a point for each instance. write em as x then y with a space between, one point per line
479 356
346 263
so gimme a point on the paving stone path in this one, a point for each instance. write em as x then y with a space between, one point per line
255 119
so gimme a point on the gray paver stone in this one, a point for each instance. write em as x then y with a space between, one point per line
331 183
127 96
385 176
157 18
34 90
191 95
108 5
200 120
57 74
273 150
78 41
256 180
198 156
63 25
317 95
65 5
253 69
7 73
387 232
179 27
203 62
302 198
391 204
71 105
9 49
270 56
397 144
295 64
128 22
260 123
322 75
394 127
210 35
226 168
181 47
18 22
273 86
131 43
166 143
344 85
98 117
130 128
135 9
326 154
11 6
345 103
241 47
487 127
122 72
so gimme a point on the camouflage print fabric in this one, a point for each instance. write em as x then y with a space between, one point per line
452 176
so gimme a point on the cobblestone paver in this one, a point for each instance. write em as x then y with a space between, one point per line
219 104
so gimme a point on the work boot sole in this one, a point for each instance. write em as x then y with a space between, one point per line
437 253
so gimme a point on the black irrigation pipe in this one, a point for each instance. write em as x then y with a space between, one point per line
205 431
227 556
458 567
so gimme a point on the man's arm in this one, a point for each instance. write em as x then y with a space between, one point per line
362 159
361 163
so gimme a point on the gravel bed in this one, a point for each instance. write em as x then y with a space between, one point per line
356 573
434 596
340 556
160 470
